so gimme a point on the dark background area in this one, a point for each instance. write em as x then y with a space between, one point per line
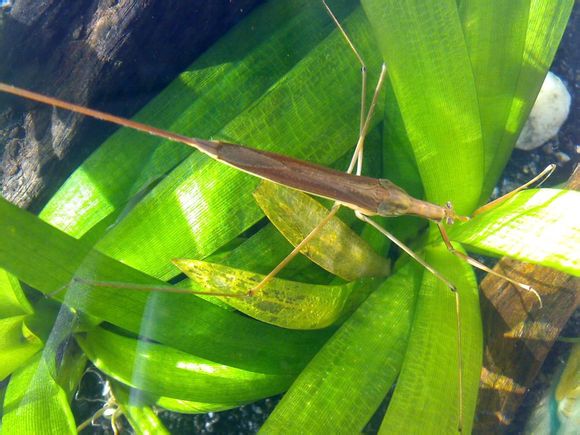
111 55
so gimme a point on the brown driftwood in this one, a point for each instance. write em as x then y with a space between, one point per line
89 52
519 334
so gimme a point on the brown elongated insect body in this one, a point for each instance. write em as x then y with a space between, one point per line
370 196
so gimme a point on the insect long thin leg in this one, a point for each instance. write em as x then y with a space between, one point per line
358 152
356 160
405 248
541 177
482 266
258 288
141 287
451 286
363 103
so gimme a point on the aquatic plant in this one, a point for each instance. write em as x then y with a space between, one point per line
462 80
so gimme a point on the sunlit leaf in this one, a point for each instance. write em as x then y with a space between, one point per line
546 24
58 258
336 247
537 226
17 342
202 205
13 302
430 373
35 403
433 75
288 304
347 380
165 371
104 184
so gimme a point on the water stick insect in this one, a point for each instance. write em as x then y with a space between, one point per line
367 196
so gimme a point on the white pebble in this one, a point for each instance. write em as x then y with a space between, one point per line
548 114
562 157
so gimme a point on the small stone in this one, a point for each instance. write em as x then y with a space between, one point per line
548 114
562 157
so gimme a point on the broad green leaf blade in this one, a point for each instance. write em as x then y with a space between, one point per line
430 71
539 226
214 334
200 206
17 344
164 371
189 407
288 304
335 248
346 381
203 204
13 302
426 398
546 24
495 33
230 76
36 403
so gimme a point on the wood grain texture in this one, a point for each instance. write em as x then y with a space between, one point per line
111 55
519 334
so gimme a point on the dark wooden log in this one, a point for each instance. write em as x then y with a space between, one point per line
519 334
110 54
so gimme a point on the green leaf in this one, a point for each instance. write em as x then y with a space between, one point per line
189 407
347 380
17 344
545 27
537 226
104 184
164 371
496 71
288 304
202 205
433 75
426 398
13 301
336 247
35 402
215 334
457 94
